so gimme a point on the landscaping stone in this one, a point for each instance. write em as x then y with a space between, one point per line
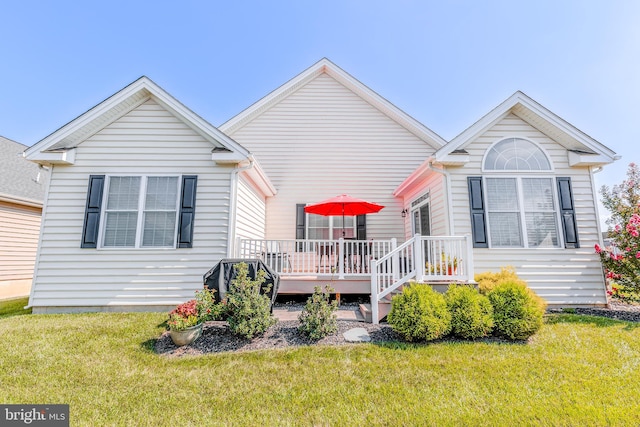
357 335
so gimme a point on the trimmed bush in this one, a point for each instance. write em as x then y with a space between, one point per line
471 312
420 313
517 311
489 280
249 312
318 318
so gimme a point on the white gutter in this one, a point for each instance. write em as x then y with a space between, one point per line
447 180
233 192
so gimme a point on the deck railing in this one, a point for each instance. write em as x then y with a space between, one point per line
339 258
443 259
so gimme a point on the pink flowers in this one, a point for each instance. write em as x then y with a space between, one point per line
598 248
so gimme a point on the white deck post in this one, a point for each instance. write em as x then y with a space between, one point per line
395 261
418 257
373 268
341 258
469 257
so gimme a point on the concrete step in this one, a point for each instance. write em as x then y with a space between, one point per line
384 307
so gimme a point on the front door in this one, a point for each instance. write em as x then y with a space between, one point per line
421 220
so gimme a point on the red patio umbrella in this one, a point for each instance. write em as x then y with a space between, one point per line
343 205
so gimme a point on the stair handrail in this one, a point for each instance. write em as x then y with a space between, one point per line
376 295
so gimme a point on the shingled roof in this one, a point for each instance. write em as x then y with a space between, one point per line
21 181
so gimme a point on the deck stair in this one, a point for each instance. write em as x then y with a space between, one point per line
437 261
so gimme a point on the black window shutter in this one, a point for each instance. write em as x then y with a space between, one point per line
567 213
91 225
361 227
187 211
478 217
301 219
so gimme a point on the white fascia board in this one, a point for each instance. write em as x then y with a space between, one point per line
229 157
455 159
415 176
59 157
566 127
504 109
260 178
583 159
168 101
86 118
160 95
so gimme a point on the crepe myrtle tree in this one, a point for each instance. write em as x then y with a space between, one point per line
621 259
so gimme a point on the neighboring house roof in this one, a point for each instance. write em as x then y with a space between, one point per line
347 80
583 150
21 181
59 147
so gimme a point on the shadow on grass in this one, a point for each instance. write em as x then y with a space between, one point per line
149 346
14 307
591 319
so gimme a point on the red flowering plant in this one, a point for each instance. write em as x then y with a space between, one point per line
201 309
621 258
184 316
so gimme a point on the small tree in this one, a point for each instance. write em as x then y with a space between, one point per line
318 319
249 312
621 259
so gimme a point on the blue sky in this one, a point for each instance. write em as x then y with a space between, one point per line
446 63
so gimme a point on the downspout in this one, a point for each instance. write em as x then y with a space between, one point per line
594 170
447 180
43 217
233 195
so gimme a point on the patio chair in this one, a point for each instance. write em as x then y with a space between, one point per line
275 258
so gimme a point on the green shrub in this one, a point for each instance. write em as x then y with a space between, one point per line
489 280
517 311
249 312
420 313
318 318
208 309
471 312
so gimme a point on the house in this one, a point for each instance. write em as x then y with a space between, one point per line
146 196
22 186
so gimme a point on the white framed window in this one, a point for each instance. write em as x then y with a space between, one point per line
321 227
522 210
140 212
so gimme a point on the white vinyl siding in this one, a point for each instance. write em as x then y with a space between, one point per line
323 140
147 141
561 276
19 231
251 214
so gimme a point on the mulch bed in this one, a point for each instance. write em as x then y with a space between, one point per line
217 338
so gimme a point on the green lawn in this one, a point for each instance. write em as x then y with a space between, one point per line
577 370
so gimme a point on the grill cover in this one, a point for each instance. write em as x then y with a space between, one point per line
221 275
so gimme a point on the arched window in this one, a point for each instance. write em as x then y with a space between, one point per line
516 154
521 208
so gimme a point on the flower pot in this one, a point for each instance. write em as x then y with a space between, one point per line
187 336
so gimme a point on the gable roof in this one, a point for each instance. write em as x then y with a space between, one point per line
21 181
583 150
59 146
351 83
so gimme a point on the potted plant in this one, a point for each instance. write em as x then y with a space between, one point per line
185 325
186 321
448 264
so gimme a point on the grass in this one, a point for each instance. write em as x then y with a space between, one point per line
14 307
578 370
